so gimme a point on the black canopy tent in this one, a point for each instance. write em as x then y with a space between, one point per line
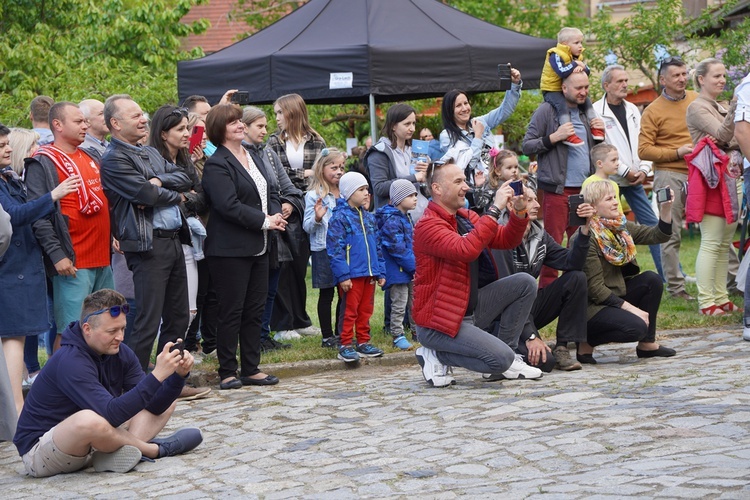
358 51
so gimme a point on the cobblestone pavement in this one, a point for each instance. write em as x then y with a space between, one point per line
675 428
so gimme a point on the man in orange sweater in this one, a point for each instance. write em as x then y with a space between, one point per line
665 140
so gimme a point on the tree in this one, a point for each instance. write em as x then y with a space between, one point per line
656 28
74 49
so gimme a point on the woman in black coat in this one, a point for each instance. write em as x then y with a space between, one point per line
240 197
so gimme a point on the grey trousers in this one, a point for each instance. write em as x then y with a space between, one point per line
670 251
401 299
509 301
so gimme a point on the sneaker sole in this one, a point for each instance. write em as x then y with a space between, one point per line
378 355
420 360
570 368
200 395
120 461
347 360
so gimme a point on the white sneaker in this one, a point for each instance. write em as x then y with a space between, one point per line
746 333
433 371
310 331
286 335
519 369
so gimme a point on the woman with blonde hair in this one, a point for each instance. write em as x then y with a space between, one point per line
623 301
712 200
297 145
24 142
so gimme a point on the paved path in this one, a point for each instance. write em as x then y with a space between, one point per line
674 428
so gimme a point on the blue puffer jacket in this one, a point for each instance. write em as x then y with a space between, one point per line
352 243
395 238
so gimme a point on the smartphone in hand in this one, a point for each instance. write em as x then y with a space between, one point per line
195 138
503 72
574 201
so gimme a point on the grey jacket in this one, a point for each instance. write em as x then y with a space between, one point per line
552 158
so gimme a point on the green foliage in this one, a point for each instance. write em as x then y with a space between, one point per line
532 17
662 23
73 49
258 14
735 52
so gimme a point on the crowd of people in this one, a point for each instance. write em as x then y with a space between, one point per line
205 225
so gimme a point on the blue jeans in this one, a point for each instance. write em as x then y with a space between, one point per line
644 214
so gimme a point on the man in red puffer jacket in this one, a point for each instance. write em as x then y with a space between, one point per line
453 299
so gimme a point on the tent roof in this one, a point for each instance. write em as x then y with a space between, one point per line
395 49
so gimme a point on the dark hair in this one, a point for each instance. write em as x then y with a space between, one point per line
396 114
191 101
449 119
40 108
166 118
4 131
217 120
101 299
670 61
57 111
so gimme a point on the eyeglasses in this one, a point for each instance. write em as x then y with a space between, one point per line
183 112
670 61
114 311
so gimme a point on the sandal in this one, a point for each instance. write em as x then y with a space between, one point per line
730 307
713 311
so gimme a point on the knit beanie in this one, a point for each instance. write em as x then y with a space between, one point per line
350 182
400 189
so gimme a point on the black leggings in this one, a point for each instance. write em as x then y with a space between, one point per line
613 324
325 300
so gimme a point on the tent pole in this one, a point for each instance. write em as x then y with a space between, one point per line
373 120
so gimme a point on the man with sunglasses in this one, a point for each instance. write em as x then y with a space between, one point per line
93 405
665 140
144 191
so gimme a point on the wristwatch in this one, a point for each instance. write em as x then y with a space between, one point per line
531 337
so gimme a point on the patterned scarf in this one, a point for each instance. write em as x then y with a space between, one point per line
88 202
613 239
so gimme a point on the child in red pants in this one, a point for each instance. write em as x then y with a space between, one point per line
357 265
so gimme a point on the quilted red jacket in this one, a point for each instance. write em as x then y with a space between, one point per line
706 162
442 280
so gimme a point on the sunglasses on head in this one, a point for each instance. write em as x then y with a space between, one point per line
670 61
183 112
114 311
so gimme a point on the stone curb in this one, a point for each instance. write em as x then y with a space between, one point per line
314 366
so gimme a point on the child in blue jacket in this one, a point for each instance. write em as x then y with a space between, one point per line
395 237
357 265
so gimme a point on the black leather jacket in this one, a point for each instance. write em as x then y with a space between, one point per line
126 171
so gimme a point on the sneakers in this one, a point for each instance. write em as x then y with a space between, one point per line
597 133
746 330
27 381
121 461
518 370
310 331
331 342
573 141
180 442
563 359
401 343
348 354
268 344
286 335
433 371
369 351
190 393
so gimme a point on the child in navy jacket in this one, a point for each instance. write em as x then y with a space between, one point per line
395 237
357 264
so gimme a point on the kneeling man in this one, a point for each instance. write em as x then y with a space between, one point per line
93 405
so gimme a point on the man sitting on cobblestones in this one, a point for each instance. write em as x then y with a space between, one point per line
92 404
450 310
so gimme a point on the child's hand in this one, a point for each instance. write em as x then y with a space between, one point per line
479 178
578 69
346 285
320 210
381 282
580 64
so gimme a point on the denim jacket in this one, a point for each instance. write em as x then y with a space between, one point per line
490 120
317 230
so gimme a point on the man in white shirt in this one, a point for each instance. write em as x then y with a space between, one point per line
742 134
